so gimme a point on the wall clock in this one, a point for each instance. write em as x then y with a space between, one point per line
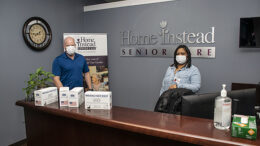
37 33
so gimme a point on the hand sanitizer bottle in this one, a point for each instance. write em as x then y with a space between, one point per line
222 110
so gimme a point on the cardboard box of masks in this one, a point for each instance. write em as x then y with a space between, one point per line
98 100
244 127
76 97
45 96
64 96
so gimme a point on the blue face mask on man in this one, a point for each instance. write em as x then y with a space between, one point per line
70 50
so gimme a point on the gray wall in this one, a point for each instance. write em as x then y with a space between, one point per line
17 60
94 2
136 82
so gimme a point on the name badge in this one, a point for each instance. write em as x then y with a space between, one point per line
177 80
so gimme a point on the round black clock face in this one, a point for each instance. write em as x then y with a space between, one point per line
37 33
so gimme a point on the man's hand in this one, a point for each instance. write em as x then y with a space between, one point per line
173 86
88 80
57 82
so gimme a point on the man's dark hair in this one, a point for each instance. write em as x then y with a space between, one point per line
188 61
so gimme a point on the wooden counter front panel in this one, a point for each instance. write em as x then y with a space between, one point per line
44 129
54 125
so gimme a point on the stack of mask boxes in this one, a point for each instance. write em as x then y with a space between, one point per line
98 100
76 97
46 96
63 96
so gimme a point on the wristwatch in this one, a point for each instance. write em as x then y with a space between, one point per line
90 89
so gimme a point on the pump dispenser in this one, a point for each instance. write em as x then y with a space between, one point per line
224 91
222 110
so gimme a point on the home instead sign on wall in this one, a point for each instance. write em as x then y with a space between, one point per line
135 44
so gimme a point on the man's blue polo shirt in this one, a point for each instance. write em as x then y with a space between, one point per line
70 71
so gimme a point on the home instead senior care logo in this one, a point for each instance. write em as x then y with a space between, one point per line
85 43
136 44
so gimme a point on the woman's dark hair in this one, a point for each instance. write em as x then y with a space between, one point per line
188 61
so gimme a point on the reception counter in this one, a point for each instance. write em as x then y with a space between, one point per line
54 125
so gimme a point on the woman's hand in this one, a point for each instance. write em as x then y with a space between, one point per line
173 86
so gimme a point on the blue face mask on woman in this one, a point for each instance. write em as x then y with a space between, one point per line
181 59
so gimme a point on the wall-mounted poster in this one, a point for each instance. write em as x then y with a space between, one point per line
93 46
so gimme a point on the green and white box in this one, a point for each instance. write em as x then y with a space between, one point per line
98 100
45 96
244 127
76 97
64 96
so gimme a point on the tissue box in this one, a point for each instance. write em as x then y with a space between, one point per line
76 97
63 96
45 96
244 127
98 100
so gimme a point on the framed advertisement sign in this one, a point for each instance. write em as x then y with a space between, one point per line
93 46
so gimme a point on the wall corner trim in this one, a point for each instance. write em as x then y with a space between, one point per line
125 3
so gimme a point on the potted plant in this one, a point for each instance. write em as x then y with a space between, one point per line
39 79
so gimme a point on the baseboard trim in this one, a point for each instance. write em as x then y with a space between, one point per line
20 143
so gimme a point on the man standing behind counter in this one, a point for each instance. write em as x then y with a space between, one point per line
69 66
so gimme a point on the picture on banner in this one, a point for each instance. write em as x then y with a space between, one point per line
93 46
